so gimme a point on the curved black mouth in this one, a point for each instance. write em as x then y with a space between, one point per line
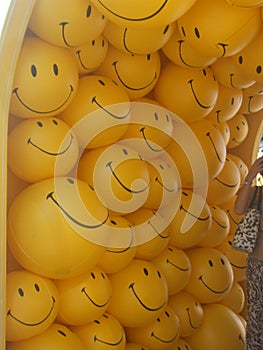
196 98
131 286
29 141
212 290
94 100
148 143
15 91
193 215
83 290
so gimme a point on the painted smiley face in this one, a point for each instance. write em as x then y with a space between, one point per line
83 298
175 266
238 126
136 74
189 93
99 115
241 165
225 40
32 304
34 146
212 275
251 103
132 301
45 81
147 15
63 213
105 331
159 334
66 24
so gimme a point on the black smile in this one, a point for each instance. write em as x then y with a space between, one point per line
9 313
122 185
189 318
148 144
129 87
214 147
197 217
196 98
81 62
108 343
231 217
135 19
212 290
29 141
15 91
156 231
223 183
63 25
125 249
180 42
124 40
231 80
164 340
218 223
131 286
176 266
83 290
50 196
166 188
223 47
94 100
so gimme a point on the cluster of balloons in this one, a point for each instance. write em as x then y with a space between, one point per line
121 179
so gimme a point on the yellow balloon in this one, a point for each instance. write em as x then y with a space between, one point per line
238 126
241 165
251 103
235 299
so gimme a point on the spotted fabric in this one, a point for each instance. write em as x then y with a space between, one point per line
254 280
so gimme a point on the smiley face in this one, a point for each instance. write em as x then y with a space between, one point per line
105 331
251 103
238 126
160 334
175 266
147 15
66 24
189 311
241 165
136 74
189 93
132 302
99 115
222 41
212 275
31 304
63 213
45 81
35 144
83 298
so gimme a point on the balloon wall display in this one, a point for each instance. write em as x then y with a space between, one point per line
123 122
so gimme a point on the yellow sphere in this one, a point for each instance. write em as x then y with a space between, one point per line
32 304
251 103
45 81
133 303
238 126
212 275
241 165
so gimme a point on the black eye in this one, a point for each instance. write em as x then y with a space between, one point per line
148 57
101 82
124 151
159 274
146 272
71 181
156 116
62 333
222 261
37 288
88 13
210 263
232 100
160 165
102 274
96 321
166 29
40 124
21 292
92 275
34 70
55 122
204 72
240 59
55 69
259 69
183 31
197 34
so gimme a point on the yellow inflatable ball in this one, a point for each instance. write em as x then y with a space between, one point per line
238 260
99 116
138 41
134 346
143 15
54 218
119 176
45 81
189 311
221 126
234 218
241 165
239 128
251 103
105 330
65 23
235 299
32 304
191 221
178 50
246 3
160 334
89 56
212 275
83 298
219 228
174 265
189 93
228 102
198 26
221 329
151 232
57 336
229 74
213 145
133 302
150 129
35 145
225 185
136 74
121 248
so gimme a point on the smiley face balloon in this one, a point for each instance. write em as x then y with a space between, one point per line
32 304
45 80
35 144
147 15
65 23
61 212
132 301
